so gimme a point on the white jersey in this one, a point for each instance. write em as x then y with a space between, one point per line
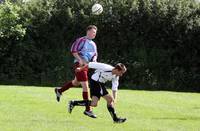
103 74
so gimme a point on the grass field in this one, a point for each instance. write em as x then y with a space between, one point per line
35 109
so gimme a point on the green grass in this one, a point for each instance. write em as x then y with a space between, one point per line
35 109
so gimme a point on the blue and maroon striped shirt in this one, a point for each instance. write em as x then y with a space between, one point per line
86 49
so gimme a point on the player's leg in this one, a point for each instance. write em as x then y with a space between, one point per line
94 101
110 106
74 103
111 109
82 77
95 90
65 87
85 94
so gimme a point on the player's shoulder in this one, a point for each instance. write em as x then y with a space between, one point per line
80 38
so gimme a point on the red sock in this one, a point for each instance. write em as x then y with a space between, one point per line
65 87
85 97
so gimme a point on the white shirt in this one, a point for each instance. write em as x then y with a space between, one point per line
103 74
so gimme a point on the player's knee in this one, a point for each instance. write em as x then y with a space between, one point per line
94 104
75 83
110 100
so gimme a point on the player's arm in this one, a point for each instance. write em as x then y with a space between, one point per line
99 66
80 60
75 51
81 68
115 84
114 94
96 65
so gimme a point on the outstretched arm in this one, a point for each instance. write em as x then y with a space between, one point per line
100 66
96 65
114 94
115 84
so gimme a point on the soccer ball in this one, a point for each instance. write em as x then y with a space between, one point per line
97 9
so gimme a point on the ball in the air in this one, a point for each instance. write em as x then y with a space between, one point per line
97 9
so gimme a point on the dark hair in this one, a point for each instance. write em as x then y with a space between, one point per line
120 67
91 27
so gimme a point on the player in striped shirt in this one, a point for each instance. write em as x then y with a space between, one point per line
84 50
102 74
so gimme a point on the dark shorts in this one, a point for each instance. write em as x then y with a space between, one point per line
82 75
97 89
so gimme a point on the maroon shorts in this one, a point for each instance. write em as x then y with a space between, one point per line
82 75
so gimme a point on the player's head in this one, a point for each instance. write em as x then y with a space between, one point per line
119 69
91 31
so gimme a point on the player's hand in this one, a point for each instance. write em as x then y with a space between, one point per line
78 69
114 101
81 62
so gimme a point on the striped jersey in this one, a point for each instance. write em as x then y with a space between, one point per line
103 73
86 49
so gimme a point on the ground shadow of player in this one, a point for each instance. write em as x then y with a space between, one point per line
178 118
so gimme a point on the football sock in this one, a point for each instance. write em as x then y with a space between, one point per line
82 103
112 112
65 87
85 97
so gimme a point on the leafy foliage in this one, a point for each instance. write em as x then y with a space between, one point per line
10 24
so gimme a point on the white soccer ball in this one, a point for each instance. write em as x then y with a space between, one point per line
97 9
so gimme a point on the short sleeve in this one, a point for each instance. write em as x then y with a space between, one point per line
76 45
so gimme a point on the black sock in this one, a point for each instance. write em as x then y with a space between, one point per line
82 103
112 112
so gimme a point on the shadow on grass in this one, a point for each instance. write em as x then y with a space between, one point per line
178 118
197 108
